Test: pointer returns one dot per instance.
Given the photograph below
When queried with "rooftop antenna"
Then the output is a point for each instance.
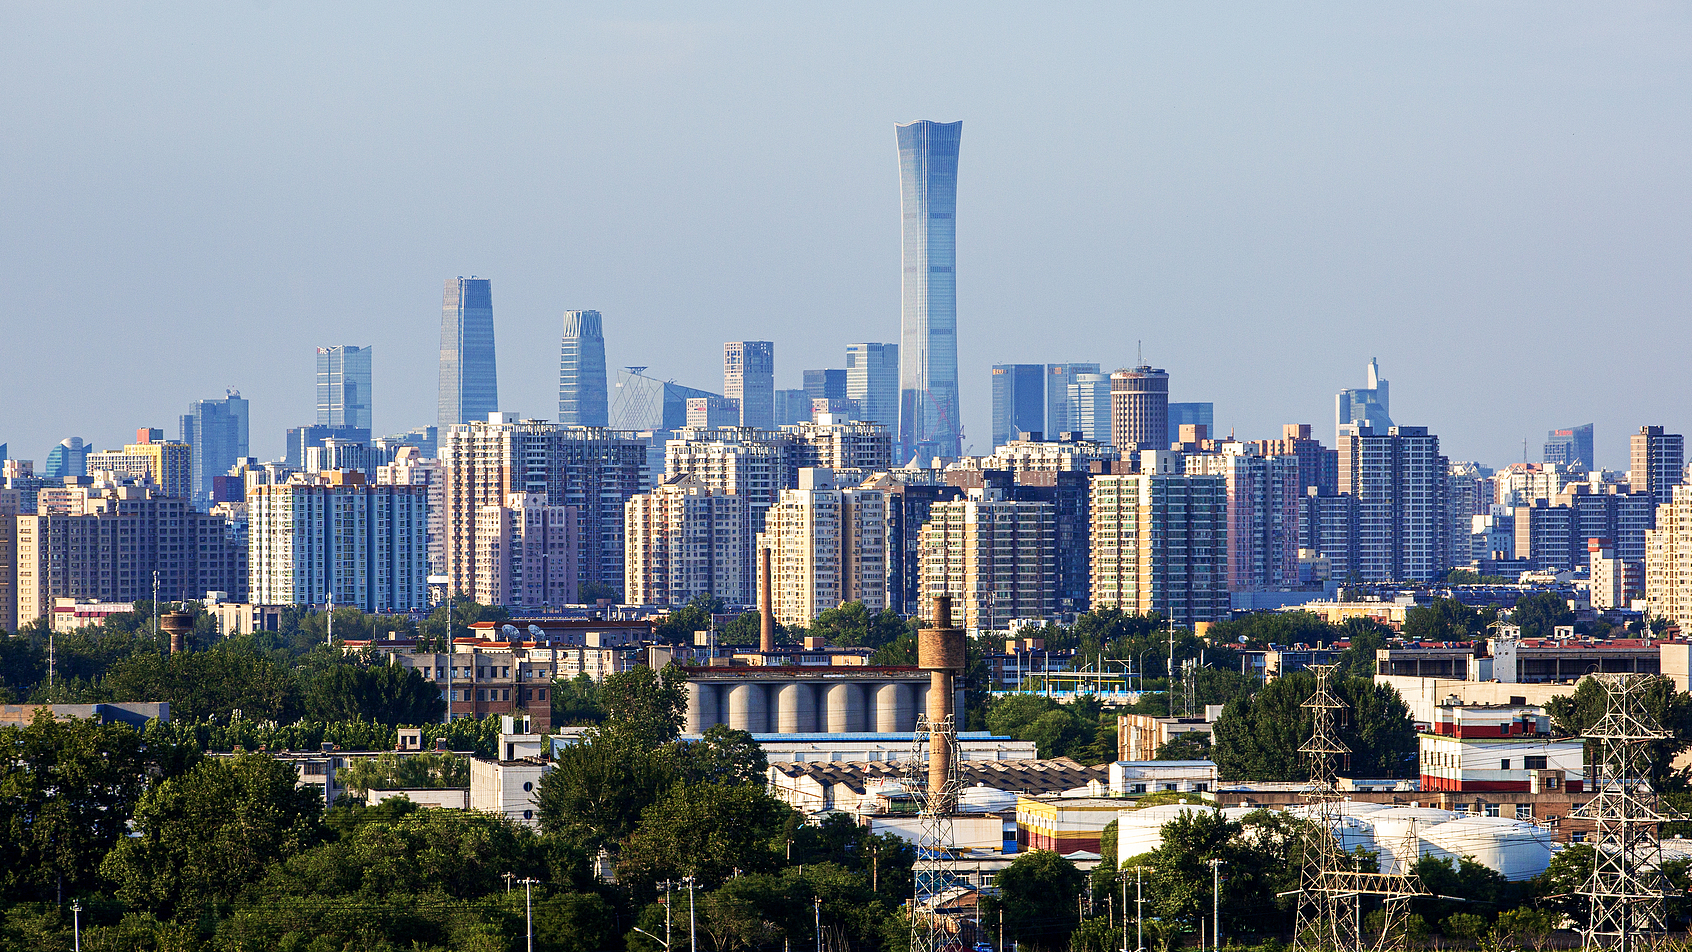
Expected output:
(1140, 352)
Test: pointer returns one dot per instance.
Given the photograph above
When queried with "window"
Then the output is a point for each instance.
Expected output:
(1524, 811)
(1137, 788)
(1533, 763)
(1491, 809)
(528, 814)
(481, 694)
(1171, 787)
(527, 786)
(1504, 764)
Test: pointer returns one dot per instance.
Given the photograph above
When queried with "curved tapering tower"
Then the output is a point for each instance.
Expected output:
(582, 394)
(928, 351)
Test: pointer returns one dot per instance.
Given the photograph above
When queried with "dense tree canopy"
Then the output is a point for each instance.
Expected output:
(1258, 736)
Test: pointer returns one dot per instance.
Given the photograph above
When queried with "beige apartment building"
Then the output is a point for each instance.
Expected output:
(996, 558)
(526, 553)
(828, 547)
(683, 539)
(166, 462)
(1668, 560)
(1160, 543)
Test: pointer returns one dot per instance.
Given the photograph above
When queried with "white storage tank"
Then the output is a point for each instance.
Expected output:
(984, 799)
(1393, 832)
(1514, 849)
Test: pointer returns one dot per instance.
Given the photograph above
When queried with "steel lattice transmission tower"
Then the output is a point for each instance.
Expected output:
(1331, 888)
(933, 776)
(1626, 886)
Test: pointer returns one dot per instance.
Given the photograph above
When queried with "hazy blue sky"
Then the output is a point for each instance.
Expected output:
(1492, 198)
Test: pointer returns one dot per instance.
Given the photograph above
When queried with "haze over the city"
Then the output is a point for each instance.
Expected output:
(1491, 199)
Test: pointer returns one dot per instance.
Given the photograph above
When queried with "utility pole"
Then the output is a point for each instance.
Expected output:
(1124, 881)
(529, 909)
(667, 885)
(1139, 909)
(76, 922)
(449, 658)
(1216, 902)
(818, 904)
(1169, 675)
(691, 940)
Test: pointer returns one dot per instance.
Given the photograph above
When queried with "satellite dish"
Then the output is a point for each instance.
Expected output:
(508, 631)
(537, 633)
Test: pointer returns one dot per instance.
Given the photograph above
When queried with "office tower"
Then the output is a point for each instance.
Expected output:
(1366, 406)
(216, 433)
(827, 548)
(792, 406)
(1318, 466)
(1019, 401)
(117, 538)
(1571, 447)
(1468, 493)
(1658, 462)
(1668, 559)
(412, 467)
(682, 540)
(1190, 414)
(583, 399)
(712, 412)
(647, 403)
(1262, 515)
(1087, 409)
(300, 440)
(749, 377)
(872, 379)
(593, 470)
(69, 458)
(1398, 479)
(753, 464)
(842, 446)
(526, 553)
(167, 464)
(349, 455)
(469, 388)
(1139, 409)
(825, 384)
(929, 422)
(1160, 544)
(1061, 410)
(343, 386)
(333, 533)
(838, 409)
(995, 557)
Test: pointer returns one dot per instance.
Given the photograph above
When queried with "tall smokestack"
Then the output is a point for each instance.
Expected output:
(766, 613)
(941, 652)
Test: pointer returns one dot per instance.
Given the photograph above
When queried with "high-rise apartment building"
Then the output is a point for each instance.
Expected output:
(1616, 582)
(713, 412)
(69, 458)
(8, 563)
(995, 557)
(1190, 414)
(343, 386)
(411, 467)
(1329, 528)
(1318, 466)
(1019, 401)
(526, 553)
(1668, 560)
(929, 410)
(753, 464)
(583, 397)
(301, 440)
(828, 547)
(872, 379)
(121, 535)
(469, 385)
(167, 463)
(1139, 409)
(910, 495)
(1571, 447)
(1160, 544)
(332, 536)
(1061, 411)
(1263, 514)
(844, 445)
(216, 433)
(749, 377)
(593, 470)
(1065, 488)
(1366, 406)
(1658, 462)
(1398, 480)
(682, 540)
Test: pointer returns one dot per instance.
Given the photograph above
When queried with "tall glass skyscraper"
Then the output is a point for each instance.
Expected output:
(216, 433)
(343, 386)
(469, 383)
(583, 393)
(1019, 401)
(872, 379)
(928, 366)
(749, 376)
(69, 458)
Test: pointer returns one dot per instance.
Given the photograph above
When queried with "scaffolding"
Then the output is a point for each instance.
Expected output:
(1331, 887)
(931, 928)
(1625, 890)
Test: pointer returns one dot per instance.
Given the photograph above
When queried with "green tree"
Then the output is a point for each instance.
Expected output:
(1538, 615)
(722, 756)
(200, 837)
(389, 771)
(365, 688)
(599, 787)
(232, 676)
(678, 626)
(1192, 745)
(1037, 895)
(1259, 737)
(575, 703)
(1445, 619)
(1575, 714)
(705, 830)
(66, 792)
(853, 626)
(645, 704)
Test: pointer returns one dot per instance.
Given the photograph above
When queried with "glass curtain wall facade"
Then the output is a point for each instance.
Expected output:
(928, 368)
(1019, 401)
(216, 432)
(583, 397)
(343, 386)
(872, 379)
(469, 383)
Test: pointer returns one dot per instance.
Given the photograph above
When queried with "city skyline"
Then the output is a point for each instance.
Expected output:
(1265, 231)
